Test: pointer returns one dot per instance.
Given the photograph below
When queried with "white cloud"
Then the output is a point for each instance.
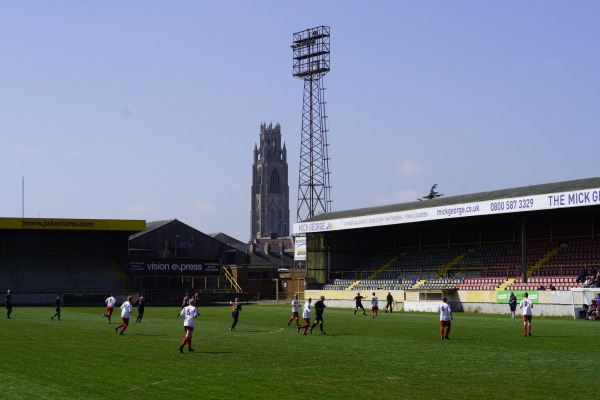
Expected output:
(145, 211)
(22, 150)
(408, 168)
(75, 154)
(202, 209)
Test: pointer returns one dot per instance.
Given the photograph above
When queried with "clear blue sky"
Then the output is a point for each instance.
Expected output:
(151, 109)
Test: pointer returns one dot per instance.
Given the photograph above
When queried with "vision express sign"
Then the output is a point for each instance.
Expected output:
(175, 266)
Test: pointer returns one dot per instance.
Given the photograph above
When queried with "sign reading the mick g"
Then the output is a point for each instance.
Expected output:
(175, 266)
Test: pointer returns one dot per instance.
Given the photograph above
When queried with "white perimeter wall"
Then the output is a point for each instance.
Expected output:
(551, 303)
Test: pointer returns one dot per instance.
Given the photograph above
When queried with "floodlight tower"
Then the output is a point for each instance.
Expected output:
(311, 62)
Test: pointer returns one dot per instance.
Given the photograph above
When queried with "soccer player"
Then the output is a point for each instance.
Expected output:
(319, 310)
(389, 302)
(295, 304)
(305, 316)
(374, 305)
(125, 310)
(526, 305)
(141, 303)
(185, 302)
(110, 305)
(8, 303)
(445, 317)
(236, 307)
(56, 308)
(196, 298)
(189, 313)
(358, 301)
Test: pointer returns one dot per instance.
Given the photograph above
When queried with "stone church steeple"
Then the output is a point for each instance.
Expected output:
(270, 213)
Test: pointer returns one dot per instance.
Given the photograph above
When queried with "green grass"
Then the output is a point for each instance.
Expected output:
(394, 356)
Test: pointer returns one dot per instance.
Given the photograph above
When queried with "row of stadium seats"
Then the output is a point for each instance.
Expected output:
(50, 273)
(559, 260)
(548, 279)
(479, 283)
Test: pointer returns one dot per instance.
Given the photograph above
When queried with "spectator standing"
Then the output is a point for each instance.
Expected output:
(512, 304)
(445, 318)
(389, 302)
(189, 313)
(527, 306)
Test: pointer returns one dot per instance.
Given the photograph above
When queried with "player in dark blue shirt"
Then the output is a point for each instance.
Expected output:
(56, 308)
(358, 300)
(236, 307)
(141, 303)
(319, 310)
(8, 303)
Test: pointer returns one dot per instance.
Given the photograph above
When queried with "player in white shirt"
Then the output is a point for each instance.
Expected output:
(374, 305)
(110, 305)
(526, 305)
(126, 308)
(189, 314)
(295, 304)
(445, 317)
(305, 316)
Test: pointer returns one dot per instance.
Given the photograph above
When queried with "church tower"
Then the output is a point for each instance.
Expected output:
(270, 213)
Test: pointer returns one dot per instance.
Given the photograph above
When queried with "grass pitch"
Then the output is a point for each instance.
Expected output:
(394, 356)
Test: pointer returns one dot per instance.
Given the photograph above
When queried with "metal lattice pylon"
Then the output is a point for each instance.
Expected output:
(311, 63)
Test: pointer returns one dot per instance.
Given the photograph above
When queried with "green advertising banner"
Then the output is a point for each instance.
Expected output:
(503, 296)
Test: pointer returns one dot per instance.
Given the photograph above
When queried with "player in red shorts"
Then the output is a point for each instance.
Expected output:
(527, 306)
(126, 308)
(374, 305)
(110, 305)
(445, 318)
(305, 316)
(189, 313)
(295, 304)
